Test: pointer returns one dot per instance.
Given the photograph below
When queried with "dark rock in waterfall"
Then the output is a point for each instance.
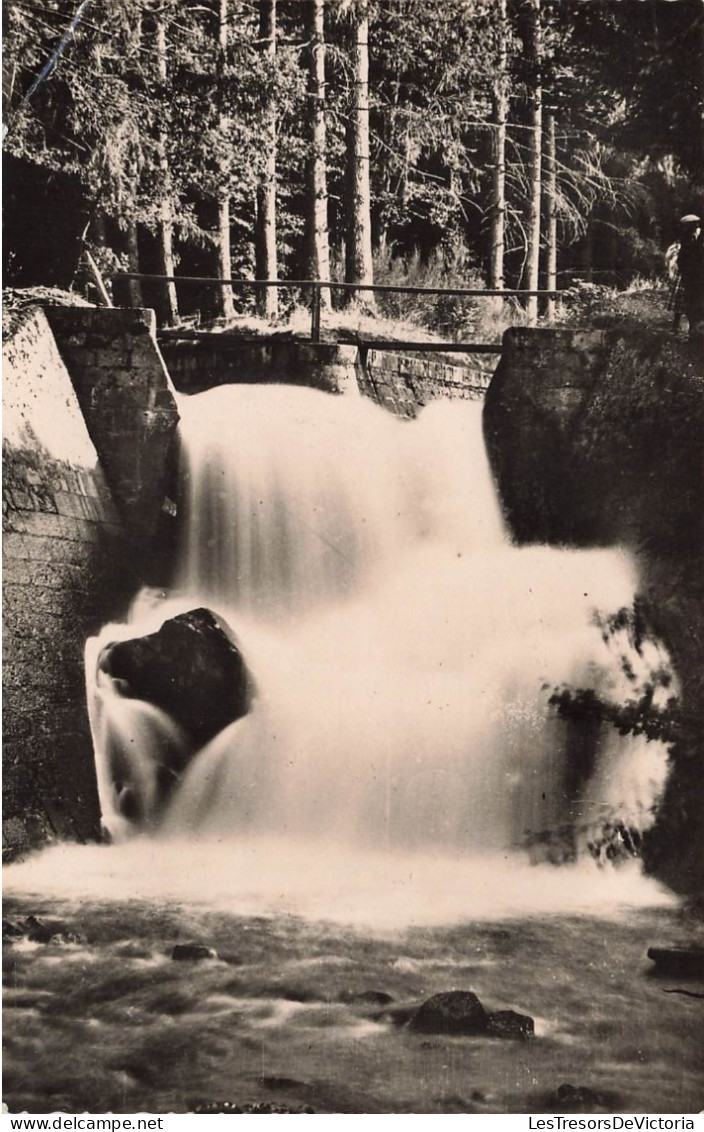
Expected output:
(510, 1024)
(191, 668)
(677, 960)
(451, 1012)
(193, 952)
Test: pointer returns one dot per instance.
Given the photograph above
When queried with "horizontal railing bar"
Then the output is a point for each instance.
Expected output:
(435, 347)
(404, 289)
(366, 344)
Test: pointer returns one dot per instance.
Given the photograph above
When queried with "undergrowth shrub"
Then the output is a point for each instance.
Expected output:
(454, 317)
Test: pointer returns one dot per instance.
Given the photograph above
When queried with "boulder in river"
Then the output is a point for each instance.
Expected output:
(37, 931)
(578, 1098)
(193, 952)
(191, 668)
(450, 1012)
(510, 1024)
(11, 931)
(685, 961)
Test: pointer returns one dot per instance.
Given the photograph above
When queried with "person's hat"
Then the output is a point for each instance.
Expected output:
(690, 218)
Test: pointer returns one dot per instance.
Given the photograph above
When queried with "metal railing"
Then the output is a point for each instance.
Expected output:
(122, 297)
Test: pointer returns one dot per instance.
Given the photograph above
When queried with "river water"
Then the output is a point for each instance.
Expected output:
(303, 1007)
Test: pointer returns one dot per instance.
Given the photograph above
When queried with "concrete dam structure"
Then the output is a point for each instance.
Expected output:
(87, 430)
(91, 486)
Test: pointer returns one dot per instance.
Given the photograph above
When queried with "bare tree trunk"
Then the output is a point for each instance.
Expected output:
(318, 234)
(531, 271)
(551, 199)
(499, 118)
(224, 304)
(359, 266)
(265, 242)
(165, 232)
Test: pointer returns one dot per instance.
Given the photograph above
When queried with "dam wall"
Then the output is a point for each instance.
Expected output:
(201, 361)
(75, 521)
(596, 437)
(401, 383)
(127, 401)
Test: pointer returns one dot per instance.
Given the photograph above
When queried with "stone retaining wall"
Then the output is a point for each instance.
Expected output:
(65, 572)
(198, 364)
(127, 401)
(403, 383)
(89, 418)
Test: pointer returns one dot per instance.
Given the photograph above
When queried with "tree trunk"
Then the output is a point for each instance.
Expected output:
(499, 117)
(318, 235)
(531, 271)
(265, 242)
(359, 266)
(551, 200)
(165, 228)
(224, 304)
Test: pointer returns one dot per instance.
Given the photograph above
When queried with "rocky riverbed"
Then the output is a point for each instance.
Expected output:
(275, 1011)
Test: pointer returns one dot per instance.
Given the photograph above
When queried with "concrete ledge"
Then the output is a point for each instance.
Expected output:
(403, 383)
(195, 366)
(594, 432)
(127, 401)
(66, 571)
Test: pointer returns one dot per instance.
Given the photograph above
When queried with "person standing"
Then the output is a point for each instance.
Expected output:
(690, 262)
(675, 298)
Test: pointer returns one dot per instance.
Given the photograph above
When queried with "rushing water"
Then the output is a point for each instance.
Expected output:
(403, 650)
(368, 827)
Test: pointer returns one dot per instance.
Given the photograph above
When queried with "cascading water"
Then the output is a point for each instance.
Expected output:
(397, 743)
(403, 650)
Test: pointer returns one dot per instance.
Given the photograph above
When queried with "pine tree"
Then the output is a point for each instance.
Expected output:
(224, 252)
(499, 121)
(265, 236)
(317, 218)
(165, 225)
(534, 60)
(360, 267)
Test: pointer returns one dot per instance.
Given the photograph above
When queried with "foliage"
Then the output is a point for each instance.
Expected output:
(653, 708)
(138, 126)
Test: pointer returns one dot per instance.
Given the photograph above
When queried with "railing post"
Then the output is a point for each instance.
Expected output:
(315, 313)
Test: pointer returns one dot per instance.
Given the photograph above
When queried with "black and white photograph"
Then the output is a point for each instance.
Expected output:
(353, 561)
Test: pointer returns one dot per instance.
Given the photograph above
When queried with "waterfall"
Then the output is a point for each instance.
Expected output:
(404, 651)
